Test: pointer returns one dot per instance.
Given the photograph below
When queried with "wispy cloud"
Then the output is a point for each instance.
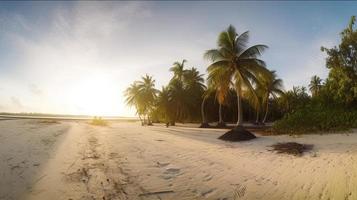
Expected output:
(35, 90)
(16, 102)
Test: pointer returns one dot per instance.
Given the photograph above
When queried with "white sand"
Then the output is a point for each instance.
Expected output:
(74, 160)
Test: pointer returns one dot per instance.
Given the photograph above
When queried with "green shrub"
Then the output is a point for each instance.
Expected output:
(316, 118)
(98, 121)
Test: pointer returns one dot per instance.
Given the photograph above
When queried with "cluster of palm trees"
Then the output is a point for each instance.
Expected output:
(174, 102)
(234, 65)
(142, 95)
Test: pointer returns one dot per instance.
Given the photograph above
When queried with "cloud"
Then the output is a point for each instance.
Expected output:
(35, 90)
(16, 102)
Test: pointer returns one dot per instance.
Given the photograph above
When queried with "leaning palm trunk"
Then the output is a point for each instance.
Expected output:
(204, 123)
(149, 122)
(257, 119)
(266, 111)
(144, 120)
(141, 120)
(221, 123)
(204, 120)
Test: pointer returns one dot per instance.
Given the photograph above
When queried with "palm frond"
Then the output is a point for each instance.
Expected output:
(253, 51)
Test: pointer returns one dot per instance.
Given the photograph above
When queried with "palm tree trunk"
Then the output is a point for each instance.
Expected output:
(149, 122)
(204, 123)
(141, 120)
(266, 111)
(240, 111)
(204, 120)
(220, 114)
(257, 119)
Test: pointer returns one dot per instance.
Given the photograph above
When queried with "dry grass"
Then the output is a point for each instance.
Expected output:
(98, 121)
(292, 148)
(48, 121)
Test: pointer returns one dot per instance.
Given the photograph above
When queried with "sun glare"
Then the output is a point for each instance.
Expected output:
(96, 95)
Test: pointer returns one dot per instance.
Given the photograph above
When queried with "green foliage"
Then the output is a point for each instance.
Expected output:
(341, 83)
(293, 99)
(316, 118)
(142, 95)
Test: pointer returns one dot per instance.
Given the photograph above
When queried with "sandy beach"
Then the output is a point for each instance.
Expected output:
(42, 159)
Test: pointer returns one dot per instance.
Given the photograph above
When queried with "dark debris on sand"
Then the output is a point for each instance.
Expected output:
(237, 134)
(292, 148)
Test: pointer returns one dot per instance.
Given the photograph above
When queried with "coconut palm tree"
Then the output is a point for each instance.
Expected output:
(207, 93)
(148, 92)
(142, 95)
(315, 85)
(239, 65)
(178, 99)
(220, 81)
(134, 99)
(270, 86)
(164, 104)
(178, 70)
(294, 98)
(194, 86)
(193, 80)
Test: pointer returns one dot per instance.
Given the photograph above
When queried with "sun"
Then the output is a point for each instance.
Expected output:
(95, 95)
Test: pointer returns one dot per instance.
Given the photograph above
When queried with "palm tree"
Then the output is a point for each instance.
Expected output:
(148, 91)
(179, 99)
(164, 104)
(193, 80)
(294, 98)
(221, 83)
(207, 93)
(194, 86)
(270, 86)
(239, 65)
(134, 99)
(315, 85)
(142, 95)
(178, 70)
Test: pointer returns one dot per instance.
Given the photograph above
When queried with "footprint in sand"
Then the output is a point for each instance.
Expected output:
(207, 192)
(162, 164)
(207, 177)
(113, 155)
(171, 172)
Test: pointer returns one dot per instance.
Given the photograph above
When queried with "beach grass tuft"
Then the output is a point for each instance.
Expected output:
(98, 121)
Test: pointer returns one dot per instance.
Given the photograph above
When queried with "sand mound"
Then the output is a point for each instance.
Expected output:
(237, 134)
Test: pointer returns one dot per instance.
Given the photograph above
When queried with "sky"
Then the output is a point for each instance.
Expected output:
(79, 57)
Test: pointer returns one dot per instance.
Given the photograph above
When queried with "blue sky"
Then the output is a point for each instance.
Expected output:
(78, 57)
